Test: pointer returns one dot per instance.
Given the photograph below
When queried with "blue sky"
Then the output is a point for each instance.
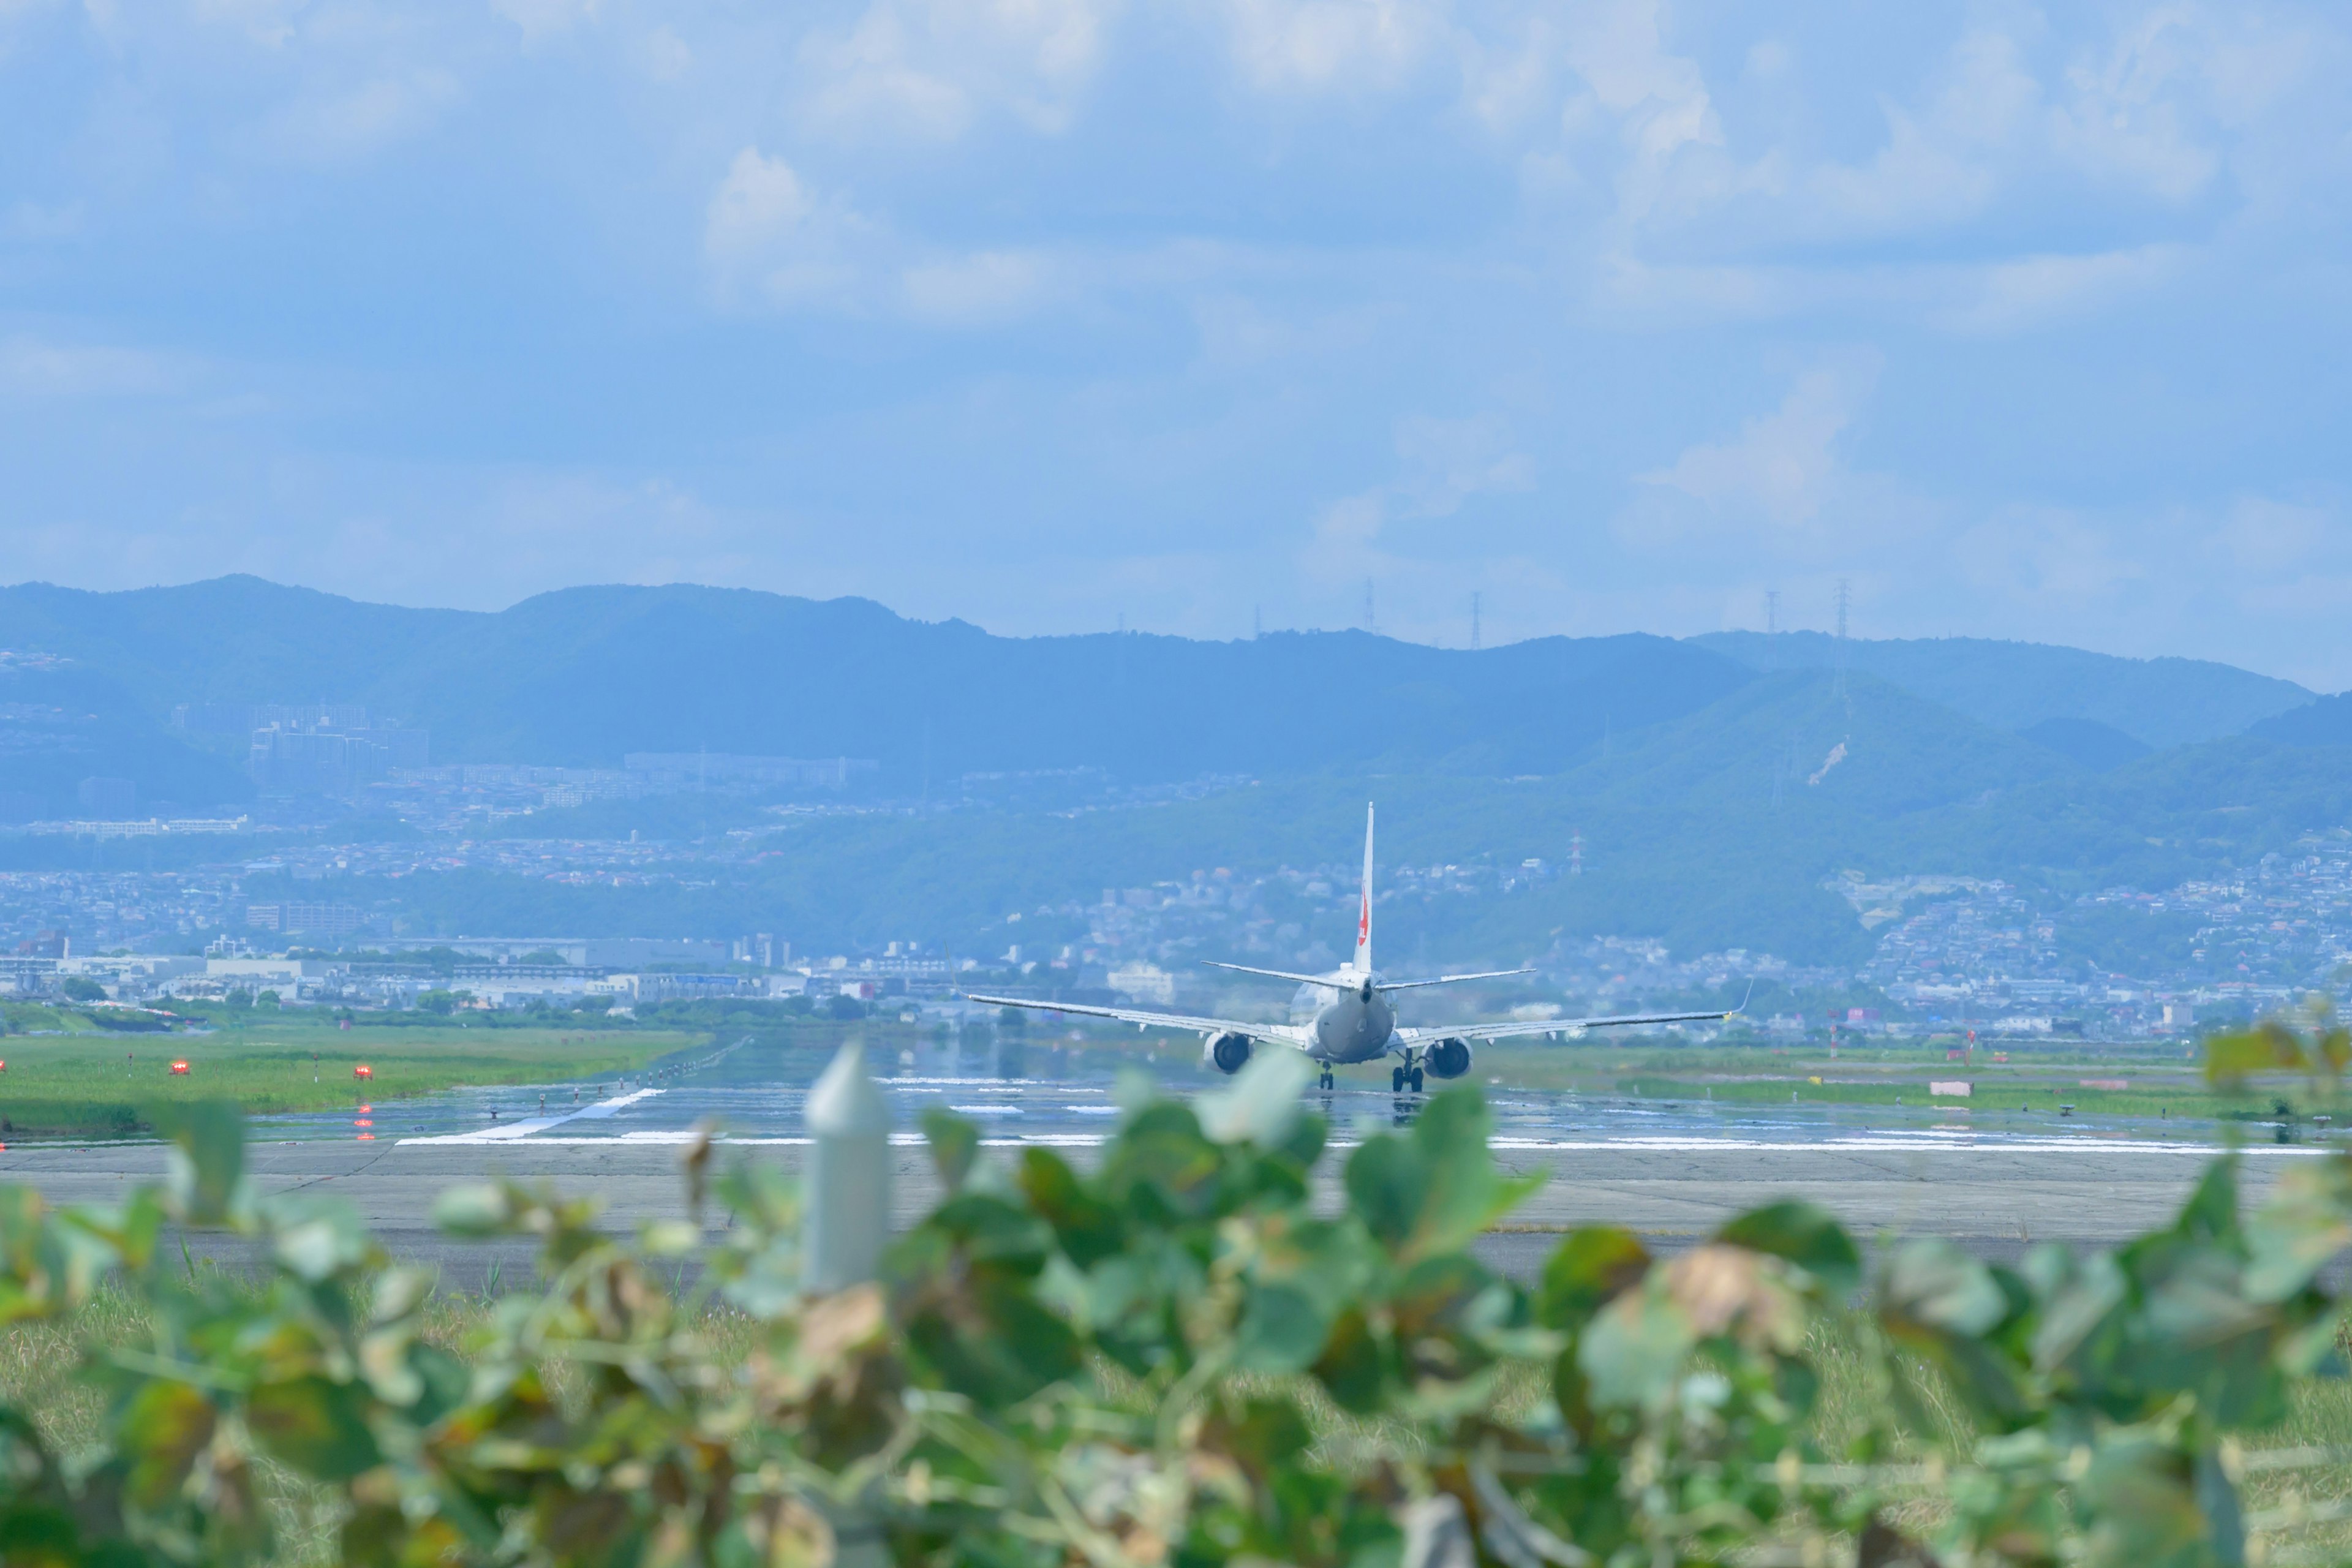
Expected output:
(2029, 322)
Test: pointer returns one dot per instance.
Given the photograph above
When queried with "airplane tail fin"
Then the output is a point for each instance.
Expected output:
(1364, 910)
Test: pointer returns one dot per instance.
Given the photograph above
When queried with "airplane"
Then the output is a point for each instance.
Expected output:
(1357, 1023)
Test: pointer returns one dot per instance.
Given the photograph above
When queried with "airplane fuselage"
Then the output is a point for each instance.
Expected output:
(1355, 1025)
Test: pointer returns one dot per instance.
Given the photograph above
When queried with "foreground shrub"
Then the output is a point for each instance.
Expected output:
(1126, 1366)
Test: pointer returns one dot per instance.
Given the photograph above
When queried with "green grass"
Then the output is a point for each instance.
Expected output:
(102, 1086)
(2160, 1081)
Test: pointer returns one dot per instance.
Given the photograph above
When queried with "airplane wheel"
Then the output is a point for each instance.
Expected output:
(1396, 1082)
(1327, 1081)
(1416, 1081)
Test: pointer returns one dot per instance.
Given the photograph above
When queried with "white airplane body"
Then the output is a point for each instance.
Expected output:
(1359, 1023)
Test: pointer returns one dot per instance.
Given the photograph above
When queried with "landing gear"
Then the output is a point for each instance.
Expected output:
(1327, 1082)
(1396, 1082)
(1416, 1081)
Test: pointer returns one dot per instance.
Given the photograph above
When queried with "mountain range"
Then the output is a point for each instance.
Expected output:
(1719, 780)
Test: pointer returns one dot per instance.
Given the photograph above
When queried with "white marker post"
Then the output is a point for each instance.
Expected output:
(844, 1221)
(847, 1194)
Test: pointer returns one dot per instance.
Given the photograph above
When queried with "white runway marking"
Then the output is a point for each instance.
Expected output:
(1889, 1144)
(507, 1132)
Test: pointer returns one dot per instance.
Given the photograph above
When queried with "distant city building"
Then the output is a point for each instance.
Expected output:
(114, 799)
(46, 945)
(23, 976)
(308, 918)
(243, 718)
(317, 758)
(1144, 983)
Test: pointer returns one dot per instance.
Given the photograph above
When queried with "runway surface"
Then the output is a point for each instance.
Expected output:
(1673, 1170)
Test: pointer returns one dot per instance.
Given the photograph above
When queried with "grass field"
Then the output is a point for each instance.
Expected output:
(105, 1085)
(2157, 1082)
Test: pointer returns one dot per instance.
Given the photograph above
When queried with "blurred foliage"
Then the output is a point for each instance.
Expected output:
(1115, 1366)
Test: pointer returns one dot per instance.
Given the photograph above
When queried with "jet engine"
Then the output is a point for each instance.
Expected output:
(1229, 1053)
(1450, 1059)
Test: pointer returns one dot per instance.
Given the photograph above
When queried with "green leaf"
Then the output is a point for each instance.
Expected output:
(1385, 1181)
(762, 1196)
(482, 1210)
(1433, 1192)
(955, 1143)
(1632, 1352)
(317, 1238)
(314, 1426)
(162, 1430)
(1352, 1366)
(206, 1164)
(2210, 1213)
(2143, 1507)
(1463, 1193)
(2305, 1221)
(1282, 1330)
(1808, 1236)
(1934, 1284)
(1261, 1105)
(2078, 1297)
(1089, 1229)
(1591, 1266)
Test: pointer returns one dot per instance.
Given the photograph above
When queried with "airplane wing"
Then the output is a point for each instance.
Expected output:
(1422, 1036)
(1450, 979)
(1322, 980)
(1288, 1034)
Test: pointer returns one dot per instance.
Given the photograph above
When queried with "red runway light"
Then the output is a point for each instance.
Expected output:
(179, 1069)
(364, 1070)
(367, 1109)
(362, 1121)
(367, 1137)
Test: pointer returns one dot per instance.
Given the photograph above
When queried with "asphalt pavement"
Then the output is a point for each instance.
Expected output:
(1993, 1200)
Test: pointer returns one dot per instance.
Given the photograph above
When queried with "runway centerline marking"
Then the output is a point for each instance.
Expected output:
(507, 1132)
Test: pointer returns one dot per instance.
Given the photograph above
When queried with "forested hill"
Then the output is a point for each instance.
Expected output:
(587, 675)
(584, 676)
(2158, 702)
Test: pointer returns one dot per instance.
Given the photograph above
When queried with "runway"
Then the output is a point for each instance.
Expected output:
(1673, 1170)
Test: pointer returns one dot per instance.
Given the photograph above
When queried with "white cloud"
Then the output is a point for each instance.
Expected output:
(929, 69)
(981, 290)
(1288, 44)
(766, 237)
(2030, 291)
(1442, 463)
(2126, 117)
(2046, 559)
(544, 18)
(1780, 473)
(664, 56)
(333, 123)
(33, 369)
